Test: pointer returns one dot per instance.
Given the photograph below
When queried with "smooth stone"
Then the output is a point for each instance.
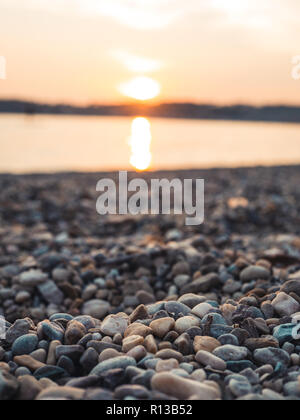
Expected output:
(150, 344)
(239, 389)
(65, 317)
(186, 322)
(51, 293)
(22, 371)
(75, 331)
(83, 382)
(138, 353)
(291, 286)
(292, 389)
(29, 388)
(177, 308)
(28, 362)
(202, 309)
(22, 297)
(137, 391)
(217, 331)
(25, 345)
(117, 363)
(74, 352)
(167, 354)
(139, 313)
(217, 319)
(114, 324)
(138, 329)
(87, 321)
(58, 393)
(285, 305)
(271, 356)
(237, 367)
(228, 339)
(8, 386)
(96, 308)
(203, 284)
(131, 342)
(89, 360)
(18, 329)
(32, 278)
(162, 326)
(191, 300)
(67, 364)
(52, 331)
(208, 344)
(182, 388)
(230, 353)
(260, 343)
(153, 308)
(167, 365)
(50, 372)
(207, 359)
(254, 272)
(51, 359)
(40, 355)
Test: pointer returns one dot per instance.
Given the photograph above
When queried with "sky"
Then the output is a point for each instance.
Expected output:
(105, 51)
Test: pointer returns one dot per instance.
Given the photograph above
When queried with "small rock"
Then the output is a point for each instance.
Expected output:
(186, 322)
(254, 272)
(285, 305)
(207, 359)
(96, 308)
(162, 326)
(114, 324)
(231, 353)
(117, 363)
(208, 344)
(271, 356)
(25, 345)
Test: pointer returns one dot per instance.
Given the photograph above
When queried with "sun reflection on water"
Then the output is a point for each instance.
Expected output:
(140, 143)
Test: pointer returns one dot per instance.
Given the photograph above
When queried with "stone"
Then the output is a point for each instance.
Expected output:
(284, 333)
(32, 278)
(89, 360)
(51, 359)
(25, 345)
(50, 372)
(121, 362)
(114, 324)
(136, 391)
(228, 339)
(19, 328)
(167, 354)
(167, 365)
(58, 393)
(191, 300)
(74, 332)
(271, 356)
(29, 388)
(138, 329)
(22, 297)
(261, 343)
(162, 326)
(182, 388)
(203, 284)
(186, 322)
(28, 362)
(150, 344)
(202, 309)
(96, 308)
(138, 353)
(214, 319)
(209, 360)
(8, 386)
(40, 355)
(291, 286)
(139, 313)
(175, 309)
(285, 305)
(52, 331)
(254, 272)
(231, 353)
(208, 344)
(74, 352)
(131, 342)
(239, 388)
(51, 293)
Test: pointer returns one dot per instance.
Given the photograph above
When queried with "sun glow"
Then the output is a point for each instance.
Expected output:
(141, 88)
(140, 143)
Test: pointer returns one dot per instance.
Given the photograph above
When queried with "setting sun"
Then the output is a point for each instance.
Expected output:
(141, 88)
(140, 143)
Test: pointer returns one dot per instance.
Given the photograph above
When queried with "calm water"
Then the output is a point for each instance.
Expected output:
(63, 143)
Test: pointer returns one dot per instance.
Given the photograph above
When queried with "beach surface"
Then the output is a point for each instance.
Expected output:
(144, 307)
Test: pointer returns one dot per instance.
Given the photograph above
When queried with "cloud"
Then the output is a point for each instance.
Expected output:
(136, 63)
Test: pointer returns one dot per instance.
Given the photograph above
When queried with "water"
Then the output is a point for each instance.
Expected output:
(67, 143)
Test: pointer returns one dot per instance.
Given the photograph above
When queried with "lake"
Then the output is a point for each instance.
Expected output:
(76, 143)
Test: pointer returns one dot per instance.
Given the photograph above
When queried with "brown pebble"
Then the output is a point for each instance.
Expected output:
(208, 344)
(131, 342)
(51, 359)
(170, 354)
(150, 344)
(162, 326)
(108, 354)
(29, 362)
(29, 388)
(167, 365)
(139, 313)
(138, 329)
(138, 353)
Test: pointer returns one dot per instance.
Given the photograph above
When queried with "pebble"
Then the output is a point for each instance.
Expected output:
(208, 344)
(271, 356)
(202, 309)
(114, 324)
(285, 305)
(183, 388)
(231, 353)
(167, 365)
(32, 278)
(121, 362)
(51, 293)
(186, 322)
(209, 360)
(25, 345)
(254, 272)
(96, 308)
(162, 326)
(8, 386)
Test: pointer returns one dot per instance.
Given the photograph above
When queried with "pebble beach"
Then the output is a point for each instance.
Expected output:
(144, 307)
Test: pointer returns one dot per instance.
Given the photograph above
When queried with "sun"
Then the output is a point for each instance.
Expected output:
(140, 144)
(141, 88)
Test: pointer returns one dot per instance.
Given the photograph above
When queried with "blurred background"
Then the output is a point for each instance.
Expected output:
(148, 84)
